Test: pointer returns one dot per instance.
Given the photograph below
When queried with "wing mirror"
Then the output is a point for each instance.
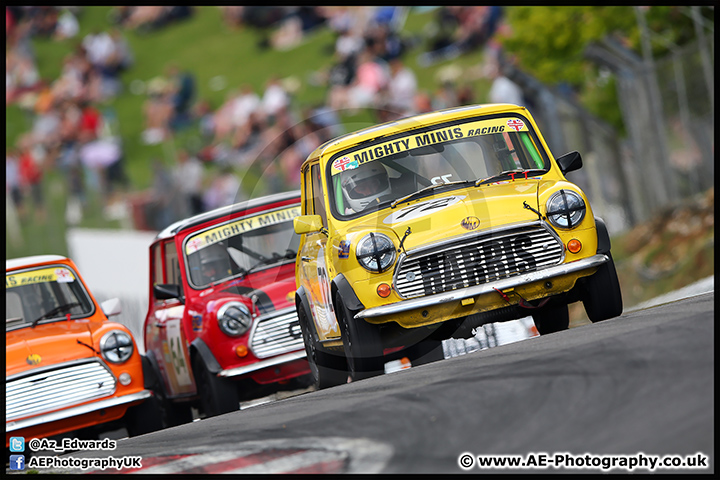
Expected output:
(308, 224)
(111, 307)
(569, 162)
(167, 291)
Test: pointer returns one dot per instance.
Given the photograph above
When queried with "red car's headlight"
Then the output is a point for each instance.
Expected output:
(234, 319)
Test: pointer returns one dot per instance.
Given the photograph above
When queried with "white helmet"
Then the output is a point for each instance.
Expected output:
(364, 184)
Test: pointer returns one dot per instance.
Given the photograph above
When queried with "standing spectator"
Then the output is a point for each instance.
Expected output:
(223, 190)
(275, 98)
(189, 180)
(158, 110)
(31, 177)
(90, 121)
(371, 77)
(164, 197)
(503, 90)
(182, 95)
(13, 187)
(402, 88)
(246, 103)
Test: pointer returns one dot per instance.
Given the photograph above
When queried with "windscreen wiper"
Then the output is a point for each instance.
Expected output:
(55, 311)
(427, 189)
(506, 173)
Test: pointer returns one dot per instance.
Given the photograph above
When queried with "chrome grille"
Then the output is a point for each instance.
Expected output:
(277, 333)
(477, 260)
(47, 390)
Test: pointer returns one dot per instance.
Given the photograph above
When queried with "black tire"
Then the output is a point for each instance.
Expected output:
(603, 297)
(362, 343)
(171, 413)
(144, 418)
(217, 395)
(326, 369)
(174, 414)
(551, 319)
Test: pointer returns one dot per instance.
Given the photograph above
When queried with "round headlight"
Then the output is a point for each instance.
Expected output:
(565, 209)
(234, 318)
(376, 252)
(116, 346)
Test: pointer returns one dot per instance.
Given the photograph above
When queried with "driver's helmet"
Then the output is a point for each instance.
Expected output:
(364, 184)
(214, 262)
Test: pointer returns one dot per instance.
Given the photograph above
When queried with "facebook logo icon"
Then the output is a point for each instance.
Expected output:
(17, 462)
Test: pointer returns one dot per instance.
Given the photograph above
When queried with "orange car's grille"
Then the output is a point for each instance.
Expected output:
(477, 260)
(47, 390)
(277, 334)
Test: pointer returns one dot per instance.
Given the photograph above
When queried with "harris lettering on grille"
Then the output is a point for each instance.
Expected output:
(476, 265)
(477, 260)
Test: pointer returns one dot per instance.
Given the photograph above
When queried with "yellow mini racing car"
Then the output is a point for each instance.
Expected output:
(430, 226)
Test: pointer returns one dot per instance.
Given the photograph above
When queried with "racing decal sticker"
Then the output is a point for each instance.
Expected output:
(516, 124)
(33, 359)
(178, 359)
(217, 234)
(42, 275)
(63, 275)
(470, 223)
(422, 209)
(344, 251)
(432, 137)
(197, 323)
(345, 163)
(323, 309)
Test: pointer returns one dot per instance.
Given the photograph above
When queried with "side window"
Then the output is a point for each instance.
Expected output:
(307, 205)
(172, 265)
(318, 200)
(156, 271)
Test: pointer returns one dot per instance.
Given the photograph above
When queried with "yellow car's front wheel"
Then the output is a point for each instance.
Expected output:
(327, 369)
(362, 343)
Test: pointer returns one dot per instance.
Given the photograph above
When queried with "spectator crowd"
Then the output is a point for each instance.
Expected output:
(74, 127)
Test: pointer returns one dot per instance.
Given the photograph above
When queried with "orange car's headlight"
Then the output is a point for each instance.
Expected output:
(116, 346)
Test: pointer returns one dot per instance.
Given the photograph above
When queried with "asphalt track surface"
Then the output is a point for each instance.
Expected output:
(640, 383)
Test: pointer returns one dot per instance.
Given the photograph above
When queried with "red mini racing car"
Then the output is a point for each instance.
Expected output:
(221, 325)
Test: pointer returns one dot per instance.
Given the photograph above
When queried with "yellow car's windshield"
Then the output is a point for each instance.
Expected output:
(380, 174)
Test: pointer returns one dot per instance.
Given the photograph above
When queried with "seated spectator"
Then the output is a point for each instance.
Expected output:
(232, 15)
(143, 17)
(67, 25)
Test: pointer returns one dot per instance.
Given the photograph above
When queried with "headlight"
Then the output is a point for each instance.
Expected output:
(565, 209)
(234, 319)
(376, 252)
(116, 346)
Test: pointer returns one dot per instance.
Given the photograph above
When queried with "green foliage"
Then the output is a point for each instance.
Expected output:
(549, 42)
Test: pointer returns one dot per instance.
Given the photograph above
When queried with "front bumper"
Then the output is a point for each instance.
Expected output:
(14, 425)
(477, 290)
(270, 362)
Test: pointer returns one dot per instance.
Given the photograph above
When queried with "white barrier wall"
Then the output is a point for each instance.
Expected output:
(114, 263)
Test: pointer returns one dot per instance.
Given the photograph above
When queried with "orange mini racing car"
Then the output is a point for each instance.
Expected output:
(68, 369)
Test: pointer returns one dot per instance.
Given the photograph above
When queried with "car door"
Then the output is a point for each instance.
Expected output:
(171, 346)
(314, 275)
